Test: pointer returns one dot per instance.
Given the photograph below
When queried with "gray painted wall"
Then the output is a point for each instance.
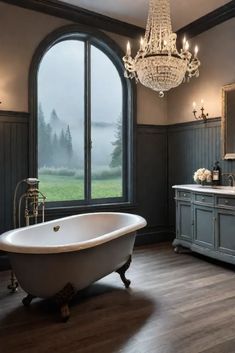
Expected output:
(216, 53)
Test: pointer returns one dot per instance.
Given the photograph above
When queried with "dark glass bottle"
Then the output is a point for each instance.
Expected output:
(216, 174)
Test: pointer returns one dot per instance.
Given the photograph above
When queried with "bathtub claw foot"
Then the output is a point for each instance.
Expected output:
(122, 272)
(62, 299)
(65, 312)
(13, 286)
(27, 300)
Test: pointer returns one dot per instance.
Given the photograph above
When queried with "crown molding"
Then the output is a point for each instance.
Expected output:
(77, 14)
(212, 19)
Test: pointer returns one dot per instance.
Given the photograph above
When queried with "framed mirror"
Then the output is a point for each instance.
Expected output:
(228, 122)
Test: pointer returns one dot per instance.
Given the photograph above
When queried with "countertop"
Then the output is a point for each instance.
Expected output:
(222, 190)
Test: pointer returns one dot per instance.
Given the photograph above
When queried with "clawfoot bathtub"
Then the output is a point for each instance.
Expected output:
(56, 259)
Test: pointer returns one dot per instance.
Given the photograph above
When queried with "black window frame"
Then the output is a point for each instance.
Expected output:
(100, 40)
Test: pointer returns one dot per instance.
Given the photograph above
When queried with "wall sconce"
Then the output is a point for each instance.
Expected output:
(203, 116)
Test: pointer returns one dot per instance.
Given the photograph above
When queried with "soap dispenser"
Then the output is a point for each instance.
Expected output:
(216, 174)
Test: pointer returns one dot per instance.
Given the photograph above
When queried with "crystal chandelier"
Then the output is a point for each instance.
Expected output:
(158, 64)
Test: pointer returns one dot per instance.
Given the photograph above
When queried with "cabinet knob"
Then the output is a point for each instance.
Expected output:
(184, 195)
(226, 202)
(203, 198)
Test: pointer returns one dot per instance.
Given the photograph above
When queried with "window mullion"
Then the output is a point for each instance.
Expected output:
(87, 122)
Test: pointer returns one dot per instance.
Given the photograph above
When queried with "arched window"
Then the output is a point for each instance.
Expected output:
(82, 119)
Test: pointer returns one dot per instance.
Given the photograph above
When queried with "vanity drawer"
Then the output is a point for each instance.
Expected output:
(226, 201)
(204, 198)
(186, 195)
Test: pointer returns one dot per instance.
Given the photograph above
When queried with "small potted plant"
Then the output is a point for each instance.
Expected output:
(203, 176)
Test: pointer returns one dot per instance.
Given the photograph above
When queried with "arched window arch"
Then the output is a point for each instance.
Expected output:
(82, 119)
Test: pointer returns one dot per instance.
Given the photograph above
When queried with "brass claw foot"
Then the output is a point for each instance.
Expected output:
(27, 300)
(13, 286)
(62, 299)
(65, 313)
(121, 271)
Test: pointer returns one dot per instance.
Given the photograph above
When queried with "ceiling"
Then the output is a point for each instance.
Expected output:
(183, 12)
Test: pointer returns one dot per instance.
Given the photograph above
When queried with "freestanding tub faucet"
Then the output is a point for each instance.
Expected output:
(33, 198)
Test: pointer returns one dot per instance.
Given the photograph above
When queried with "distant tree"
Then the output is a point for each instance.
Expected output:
(62, 141)
(53, 150)
(44, 140)
(65, 148)
(54, 117)
(68, 143)
(116, 155)
(55, 142)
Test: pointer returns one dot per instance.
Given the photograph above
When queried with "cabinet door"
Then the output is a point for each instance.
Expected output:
(204, 226)
(184, 220)
(225, 231)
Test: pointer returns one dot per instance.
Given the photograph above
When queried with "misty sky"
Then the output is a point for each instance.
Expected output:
(61, 87)
(61, 83)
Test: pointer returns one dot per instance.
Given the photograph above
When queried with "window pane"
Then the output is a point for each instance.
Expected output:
(106, 127)
(61, 122)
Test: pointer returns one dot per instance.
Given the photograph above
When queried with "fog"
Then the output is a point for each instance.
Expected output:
(61, 88)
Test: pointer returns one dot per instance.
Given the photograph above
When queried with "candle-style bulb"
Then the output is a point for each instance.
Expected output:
(202, 102)
(184, 41)
(194, 105)
(186, 45)
(195, 51)
(128, 49)
(141, 43)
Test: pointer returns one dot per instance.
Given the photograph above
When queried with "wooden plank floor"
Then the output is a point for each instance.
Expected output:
(178, 303)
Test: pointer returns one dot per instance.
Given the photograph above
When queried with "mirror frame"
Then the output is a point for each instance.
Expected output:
(225, 154)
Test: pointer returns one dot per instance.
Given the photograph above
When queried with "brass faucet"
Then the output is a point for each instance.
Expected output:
(231, 178)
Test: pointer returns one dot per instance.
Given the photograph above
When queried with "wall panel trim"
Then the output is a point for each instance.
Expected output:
(195, 124)
(7, 116)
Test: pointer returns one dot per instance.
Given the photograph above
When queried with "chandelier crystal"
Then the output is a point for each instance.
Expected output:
(158, 64)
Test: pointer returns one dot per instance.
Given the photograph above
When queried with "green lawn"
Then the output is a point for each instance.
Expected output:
(67, 188)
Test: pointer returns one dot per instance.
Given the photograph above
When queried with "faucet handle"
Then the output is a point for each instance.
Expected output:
(231, 179)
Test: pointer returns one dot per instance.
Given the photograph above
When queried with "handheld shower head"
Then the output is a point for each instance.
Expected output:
(32, 181)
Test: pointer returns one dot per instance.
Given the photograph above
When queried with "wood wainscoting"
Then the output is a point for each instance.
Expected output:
(14, 161)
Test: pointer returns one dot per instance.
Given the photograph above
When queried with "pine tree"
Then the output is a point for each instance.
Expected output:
(44, 140)
(116, 155)
(55, 142)
(69, 145)
(54, 117)
(62, 141)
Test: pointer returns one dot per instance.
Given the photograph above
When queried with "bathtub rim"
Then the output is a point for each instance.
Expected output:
(5, 245)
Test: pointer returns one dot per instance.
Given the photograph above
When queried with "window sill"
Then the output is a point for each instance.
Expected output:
(63, 211)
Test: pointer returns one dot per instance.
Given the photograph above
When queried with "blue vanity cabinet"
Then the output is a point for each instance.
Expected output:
(225, 231)
(184, 220)
(184, 216)
(205, 221)
(204, 230)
